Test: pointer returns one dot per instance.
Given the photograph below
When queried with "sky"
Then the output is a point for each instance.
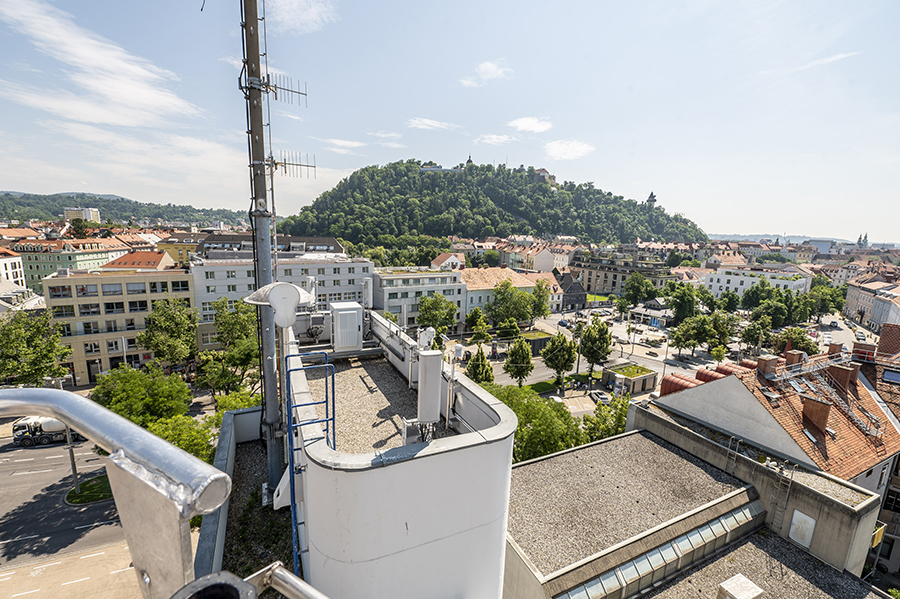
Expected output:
(769, 117)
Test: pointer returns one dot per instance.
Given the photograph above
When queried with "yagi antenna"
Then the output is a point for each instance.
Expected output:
(293, 164)
(286, 90)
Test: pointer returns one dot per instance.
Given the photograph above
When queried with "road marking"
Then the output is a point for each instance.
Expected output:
(54, 457)
(19, 539)
(74, 581)
(122, 570)
(45, 565)
(24, 460)
(86, 453)
(91, 555)
(25, 593)
(31, 472)
(95, 524)
(5, 579)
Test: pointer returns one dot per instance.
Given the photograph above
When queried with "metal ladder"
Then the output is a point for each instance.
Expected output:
(734, 447)
(780, 496)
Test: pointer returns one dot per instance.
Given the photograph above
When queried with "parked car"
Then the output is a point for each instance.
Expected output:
(564, 323)
(835, 324)
(600, 397)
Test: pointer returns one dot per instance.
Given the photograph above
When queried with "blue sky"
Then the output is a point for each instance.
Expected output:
(758, 117)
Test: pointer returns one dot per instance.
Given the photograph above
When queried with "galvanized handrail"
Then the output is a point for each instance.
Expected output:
(157, 487)
(207, 487)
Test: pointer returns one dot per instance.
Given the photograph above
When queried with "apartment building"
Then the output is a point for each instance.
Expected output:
(603, 274)
(41, 257)
(11, 267)
(861, 294)
(480, 283)
(90, 214)
(399, 290)
(230, 274)
(180, 246)
(102, 312)
(729, 278)
(282, 243)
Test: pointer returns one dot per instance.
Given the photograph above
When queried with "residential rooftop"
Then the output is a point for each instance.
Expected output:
(572, 505)
(371, 398)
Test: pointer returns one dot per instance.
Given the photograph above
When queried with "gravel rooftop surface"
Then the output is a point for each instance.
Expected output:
(568, 507)
(823, 485)
(256, 536)
(771, 563)
(371, 397)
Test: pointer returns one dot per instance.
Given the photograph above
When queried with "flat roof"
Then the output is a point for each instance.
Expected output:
(371, 397)
(569, 506)
(773, 564)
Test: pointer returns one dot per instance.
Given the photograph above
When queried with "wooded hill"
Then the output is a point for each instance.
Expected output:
(25, 206)
(480, 201)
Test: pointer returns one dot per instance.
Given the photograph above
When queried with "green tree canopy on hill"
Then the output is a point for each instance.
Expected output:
(481, 201)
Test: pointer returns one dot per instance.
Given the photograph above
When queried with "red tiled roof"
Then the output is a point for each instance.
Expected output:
(851, 452)
(138, 260)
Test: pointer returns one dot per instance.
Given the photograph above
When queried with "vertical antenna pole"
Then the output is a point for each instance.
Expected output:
(262, 222)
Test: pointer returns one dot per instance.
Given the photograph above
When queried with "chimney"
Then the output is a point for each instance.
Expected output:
(835, 348)
(854, 376)
(841, 374)
(816, 411)
(766, 364)
(794, 356)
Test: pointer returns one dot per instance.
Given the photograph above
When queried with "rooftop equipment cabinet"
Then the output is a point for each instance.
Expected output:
(346, 326)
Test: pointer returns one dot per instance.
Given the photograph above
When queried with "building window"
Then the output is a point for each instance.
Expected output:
(63, 311)
(289, 272)
(137, 306)
(883, 478)
(336, 271)
(113, 346)
(88, 309)
(210, 289)
(404, 295)
(232, 289)
(249, 274)
(66, 329)
(249, 287)
(129, 324)
(321, 271)
(86, 290)
(159, 286)
(114, 307)
(337, 283)
(207, 338)
(131, 344)
(111, 326)
(112, 288)
(90, 328)
(210, 274)
(180, 286)
(304, 271)
(59, 292)
(351, 281)
(418, 294)
(92, 348)
(135, 288)
(230, 274)
(351, 269)
(392, 296)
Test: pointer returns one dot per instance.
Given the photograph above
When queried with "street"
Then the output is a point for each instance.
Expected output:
(35, 522)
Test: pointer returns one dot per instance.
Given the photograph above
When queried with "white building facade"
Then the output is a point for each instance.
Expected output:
(741, 279)
(398, 291)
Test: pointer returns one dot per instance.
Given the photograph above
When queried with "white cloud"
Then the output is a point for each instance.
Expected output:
(343, 143)
(428, 124)
(288, 115)
(567, 149)
(300, 16)
(531, 123)
(113, 86)
(487, 71)
(391, 144)
(494, 70)
(822, 61)
(494, 140)
(385, 134)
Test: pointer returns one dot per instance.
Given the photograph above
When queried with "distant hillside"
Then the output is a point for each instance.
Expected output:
(481, 201)
(798, 239)
(24, 206)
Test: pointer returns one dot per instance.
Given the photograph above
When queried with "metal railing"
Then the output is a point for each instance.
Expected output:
(328, 421)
